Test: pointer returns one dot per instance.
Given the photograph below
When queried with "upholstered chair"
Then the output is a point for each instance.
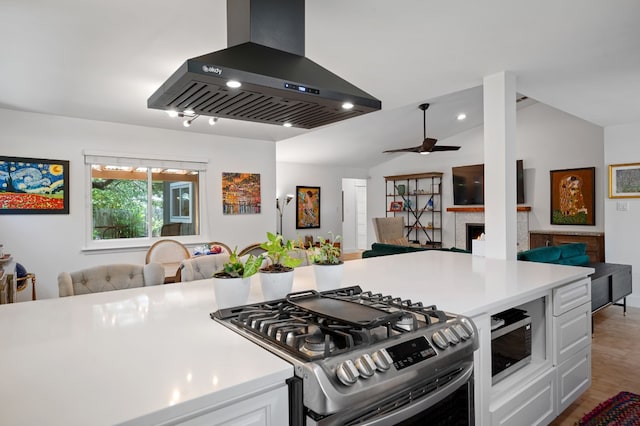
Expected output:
(390, 230)
(201, 267)
(109, 277)
(169, 253)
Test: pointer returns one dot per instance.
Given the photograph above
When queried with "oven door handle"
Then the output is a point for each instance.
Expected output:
(424, 403)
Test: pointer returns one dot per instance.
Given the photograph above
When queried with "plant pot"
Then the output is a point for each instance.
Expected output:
(276, 285)
(231, 292)
(401, 189)
(328, 277)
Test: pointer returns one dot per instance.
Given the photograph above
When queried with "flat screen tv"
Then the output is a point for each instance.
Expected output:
(468, 184)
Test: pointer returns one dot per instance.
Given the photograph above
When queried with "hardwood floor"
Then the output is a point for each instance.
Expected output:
(615, 364)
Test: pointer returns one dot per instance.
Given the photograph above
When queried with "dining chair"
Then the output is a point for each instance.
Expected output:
(169, 253)
(170, 229)
(253, 249)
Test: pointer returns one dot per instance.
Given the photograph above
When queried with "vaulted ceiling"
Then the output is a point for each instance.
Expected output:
(101, 60)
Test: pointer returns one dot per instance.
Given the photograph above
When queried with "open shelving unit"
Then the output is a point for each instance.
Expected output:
(417, 197)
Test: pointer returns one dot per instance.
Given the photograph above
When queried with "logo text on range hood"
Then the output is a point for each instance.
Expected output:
(278, 85)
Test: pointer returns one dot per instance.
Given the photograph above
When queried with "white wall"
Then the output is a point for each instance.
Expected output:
(329, 179)
(622, 229)
(547, 139)
(49, 244)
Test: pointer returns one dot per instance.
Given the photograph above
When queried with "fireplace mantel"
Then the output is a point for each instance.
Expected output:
(480, 209)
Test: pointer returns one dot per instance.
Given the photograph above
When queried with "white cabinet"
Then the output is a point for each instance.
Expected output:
(560, 368)
(572, 340)
(530, 405)
(574, 377)
(264, 408)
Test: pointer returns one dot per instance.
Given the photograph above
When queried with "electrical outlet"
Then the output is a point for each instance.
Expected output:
(622, 206)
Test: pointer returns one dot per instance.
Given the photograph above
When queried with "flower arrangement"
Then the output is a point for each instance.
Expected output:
(326, 252)
(236, 268)
(277, 250)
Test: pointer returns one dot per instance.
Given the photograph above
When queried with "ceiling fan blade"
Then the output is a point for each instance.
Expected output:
(428, 144)
(412, 149)
(445, 148)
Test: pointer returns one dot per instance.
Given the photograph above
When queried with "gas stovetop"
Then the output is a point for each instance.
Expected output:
(312, 326)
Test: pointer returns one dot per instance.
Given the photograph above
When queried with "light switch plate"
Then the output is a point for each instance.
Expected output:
(622, 206)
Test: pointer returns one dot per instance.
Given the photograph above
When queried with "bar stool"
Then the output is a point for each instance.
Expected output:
(23, 282)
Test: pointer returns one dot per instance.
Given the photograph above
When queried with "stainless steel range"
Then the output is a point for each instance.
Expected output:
(366, 359)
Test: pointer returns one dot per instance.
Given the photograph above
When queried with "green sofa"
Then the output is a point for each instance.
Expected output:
(382, 249)
(564, 254)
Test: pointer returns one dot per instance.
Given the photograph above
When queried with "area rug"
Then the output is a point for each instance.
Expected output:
(621, 410)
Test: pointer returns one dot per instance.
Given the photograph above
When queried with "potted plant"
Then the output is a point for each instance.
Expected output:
(231, 285)
(277, 277)
(327, 265)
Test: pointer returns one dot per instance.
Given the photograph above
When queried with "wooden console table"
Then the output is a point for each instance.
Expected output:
(593, 240)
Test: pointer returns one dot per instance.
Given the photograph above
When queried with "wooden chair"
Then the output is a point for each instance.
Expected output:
(169, 253)
(170, 229)
(253, 249)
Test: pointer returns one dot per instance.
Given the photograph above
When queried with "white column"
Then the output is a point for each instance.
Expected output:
(500, 165)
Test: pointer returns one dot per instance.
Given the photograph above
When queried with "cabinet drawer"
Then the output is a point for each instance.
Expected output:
(571, 333)
(621, 284)
(571, 295)
(534, 404)
(574, 377)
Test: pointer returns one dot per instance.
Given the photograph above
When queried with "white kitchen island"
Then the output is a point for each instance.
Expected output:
(153, 355)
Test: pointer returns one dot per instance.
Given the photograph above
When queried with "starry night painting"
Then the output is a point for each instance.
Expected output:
(33, 185)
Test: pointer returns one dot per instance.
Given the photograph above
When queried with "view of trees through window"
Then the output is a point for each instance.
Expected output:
(121, 197)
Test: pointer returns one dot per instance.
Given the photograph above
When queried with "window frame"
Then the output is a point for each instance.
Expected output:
(149, 161)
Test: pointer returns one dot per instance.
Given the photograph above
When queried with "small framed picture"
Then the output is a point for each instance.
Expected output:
(624, 180)
(395, 206)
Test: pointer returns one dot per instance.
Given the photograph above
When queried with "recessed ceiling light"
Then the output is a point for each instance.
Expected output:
(347, 105)
(462, 116)
(213, 121)
(287, 124)
(425, 153)
(186, 123)
(233, 84)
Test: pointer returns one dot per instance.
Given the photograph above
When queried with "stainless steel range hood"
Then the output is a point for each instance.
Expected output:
(278, 83)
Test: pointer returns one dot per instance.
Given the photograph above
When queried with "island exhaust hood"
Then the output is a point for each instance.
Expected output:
(278, 83)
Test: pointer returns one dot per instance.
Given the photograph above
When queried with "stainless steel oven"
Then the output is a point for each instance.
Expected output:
(366, 359)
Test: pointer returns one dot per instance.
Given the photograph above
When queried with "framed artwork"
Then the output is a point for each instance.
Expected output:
(624, 180)
(395, 206)
(240, 193)
(34, 186)
(307, 207)
(573, 196)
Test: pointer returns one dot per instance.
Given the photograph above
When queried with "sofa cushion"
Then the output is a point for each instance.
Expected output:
(581, 260)
(548, 254)
(572, 249)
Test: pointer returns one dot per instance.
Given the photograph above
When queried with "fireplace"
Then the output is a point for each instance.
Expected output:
(474, 230)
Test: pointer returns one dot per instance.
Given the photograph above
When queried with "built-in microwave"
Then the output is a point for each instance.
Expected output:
(510, 342)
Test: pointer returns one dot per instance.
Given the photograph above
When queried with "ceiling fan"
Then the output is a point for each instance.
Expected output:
(428, 144)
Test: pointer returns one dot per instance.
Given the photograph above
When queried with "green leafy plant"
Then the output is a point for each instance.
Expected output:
(326, 252)
(236, 268)
(277, 250)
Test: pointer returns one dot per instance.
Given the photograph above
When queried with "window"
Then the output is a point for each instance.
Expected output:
(142, 198)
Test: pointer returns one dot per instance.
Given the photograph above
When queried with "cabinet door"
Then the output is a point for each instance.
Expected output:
(267, 409)
(539, 240)
(572, 295)
(574, 377)
(621, 284)
(571, 333)
(600, 292)
(533, 404)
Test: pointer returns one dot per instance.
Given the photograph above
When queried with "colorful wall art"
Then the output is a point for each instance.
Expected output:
(33, 186)
(240, 193)
(307, 207)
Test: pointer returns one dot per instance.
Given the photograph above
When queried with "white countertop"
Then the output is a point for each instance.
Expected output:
(110, 357)
(106, 358)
